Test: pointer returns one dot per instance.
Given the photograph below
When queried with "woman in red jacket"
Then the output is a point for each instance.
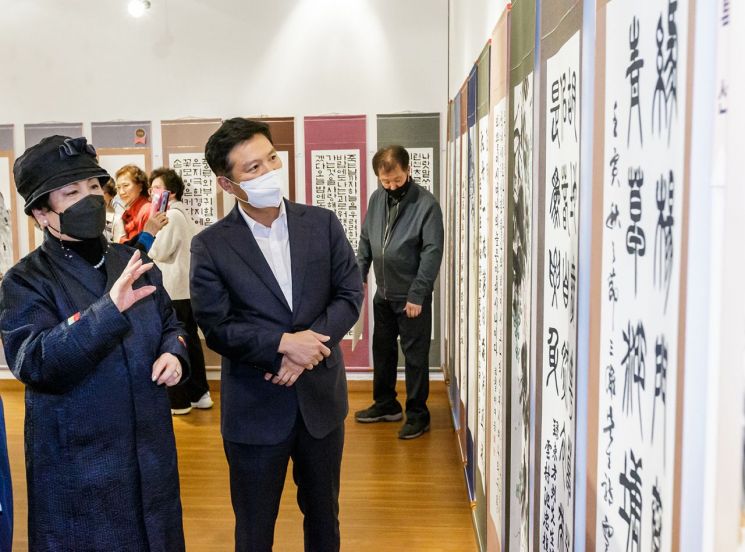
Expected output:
(131, 185)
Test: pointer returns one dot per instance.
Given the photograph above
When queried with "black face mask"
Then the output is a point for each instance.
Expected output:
(84, 219)
(399, 192)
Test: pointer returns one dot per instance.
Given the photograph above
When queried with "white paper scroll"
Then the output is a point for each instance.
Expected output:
(335, 185)
(556, 452)
(497, 298)
(472, 308)
(6, 206)
(421, 163)
(482, 328)
(463, 271)
(645, 98)
(457, 303)
(200, 186)
(521, 200)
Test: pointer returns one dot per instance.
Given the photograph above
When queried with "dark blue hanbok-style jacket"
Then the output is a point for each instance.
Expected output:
(6, 490)
(100, 451)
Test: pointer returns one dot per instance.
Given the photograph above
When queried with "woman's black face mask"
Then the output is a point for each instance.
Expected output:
(84, 219)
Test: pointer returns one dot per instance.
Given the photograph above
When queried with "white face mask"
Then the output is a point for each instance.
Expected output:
(265, 190)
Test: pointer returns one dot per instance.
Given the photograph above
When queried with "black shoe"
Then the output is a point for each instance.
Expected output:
(412, 430)
(377, 413)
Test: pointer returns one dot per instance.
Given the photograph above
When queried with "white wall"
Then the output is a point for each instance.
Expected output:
(83, 60)
(88, 60)
(470, 26)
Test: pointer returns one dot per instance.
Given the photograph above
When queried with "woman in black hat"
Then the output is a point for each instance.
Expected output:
(90, 330)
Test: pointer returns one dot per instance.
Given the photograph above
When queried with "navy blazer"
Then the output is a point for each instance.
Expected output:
(240, 308)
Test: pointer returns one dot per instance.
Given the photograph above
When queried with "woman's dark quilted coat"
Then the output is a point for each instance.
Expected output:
(100, 451)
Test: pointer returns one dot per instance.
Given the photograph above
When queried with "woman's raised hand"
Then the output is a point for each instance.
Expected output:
(122, 293)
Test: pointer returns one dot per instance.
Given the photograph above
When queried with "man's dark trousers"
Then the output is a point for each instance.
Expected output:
(416, 334)
(259, 471)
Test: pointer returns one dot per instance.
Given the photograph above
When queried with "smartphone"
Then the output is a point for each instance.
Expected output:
(164, 195)
(159, 203)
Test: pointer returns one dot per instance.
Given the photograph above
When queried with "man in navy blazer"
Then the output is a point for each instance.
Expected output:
(275, 287)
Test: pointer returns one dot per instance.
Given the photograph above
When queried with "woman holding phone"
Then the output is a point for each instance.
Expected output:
(170, 251)
(89, 330)
(131, 185)
(139, 224)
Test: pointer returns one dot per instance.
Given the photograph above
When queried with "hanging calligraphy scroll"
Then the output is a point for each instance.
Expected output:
(336, 179)
(447, 254)
(183, 150)
(121, 143)
(557, 266)
(461, 288)
(33, 134)
(471, 276)
(453, 243)
(481, 328)
(496, 309)
(522, 35)
(636, 356)
(419, 133)
(8, 210)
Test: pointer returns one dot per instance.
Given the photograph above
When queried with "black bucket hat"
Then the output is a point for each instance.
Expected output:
(53, 163)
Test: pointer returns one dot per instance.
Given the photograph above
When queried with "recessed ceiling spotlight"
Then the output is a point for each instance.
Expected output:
(137, 8)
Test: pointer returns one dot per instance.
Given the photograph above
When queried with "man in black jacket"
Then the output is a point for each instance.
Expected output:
(402, 237)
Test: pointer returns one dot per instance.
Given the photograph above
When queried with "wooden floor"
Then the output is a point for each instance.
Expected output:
(395, 495)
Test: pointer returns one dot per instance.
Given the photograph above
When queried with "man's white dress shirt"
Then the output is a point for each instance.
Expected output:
(274, 243)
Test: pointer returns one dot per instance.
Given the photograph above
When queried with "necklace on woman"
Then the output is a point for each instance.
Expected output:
(99, 264)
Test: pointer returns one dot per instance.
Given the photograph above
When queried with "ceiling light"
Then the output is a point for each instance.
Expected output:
(137, 8)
